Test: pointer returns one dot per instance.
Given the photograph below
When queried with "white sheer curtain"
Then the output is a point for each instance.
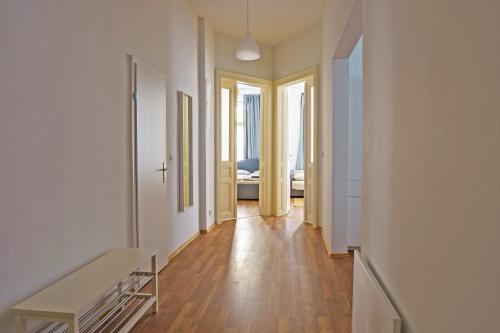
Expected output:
(251, 105)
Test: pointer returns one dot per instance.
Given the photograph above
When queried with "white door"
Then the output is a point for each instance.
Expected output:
(309, 163)
(284, 160)
(150, 159)
(287, 152)
(227, 150)
(282, 177)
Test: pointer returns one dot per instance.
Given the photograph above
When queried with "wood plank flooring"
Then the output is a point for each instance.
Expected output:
(247, 208)
(254, 275)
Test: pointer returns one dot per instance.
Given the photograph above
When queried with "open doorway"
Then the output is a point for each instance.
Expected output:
(347, 148)
(243, 147)
(247, 149)
(296, 146)
(295, 108)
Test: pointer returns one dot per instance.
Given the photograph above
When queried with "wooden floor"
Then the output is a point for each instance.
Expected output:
(250, 208)
(296, 210)
(247, 208)
(254, 275)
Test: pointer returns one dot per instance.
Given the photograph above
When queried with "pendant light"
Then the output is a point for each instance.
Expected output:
(248, 48)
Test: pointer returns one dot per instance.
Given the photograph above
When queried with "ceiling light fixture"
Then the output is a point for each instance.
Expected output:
(248, 48)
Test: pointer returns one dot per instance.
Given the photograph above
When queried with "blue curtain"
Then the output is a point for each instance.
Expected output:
(299, 165)
(251, 105)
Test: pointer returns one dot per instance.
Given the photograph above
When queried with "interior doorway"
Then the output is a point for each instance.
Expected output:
(243, 146)
(295, 109)
(296, 146)
(247, 149)
(347, 148)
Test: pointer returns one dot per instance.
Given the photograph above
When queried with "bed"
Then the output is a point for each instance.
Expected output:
(248, 179)
(297, 184)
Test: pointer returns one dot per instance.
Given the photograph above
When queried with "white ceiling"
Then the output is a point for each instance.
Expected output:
(271, 21)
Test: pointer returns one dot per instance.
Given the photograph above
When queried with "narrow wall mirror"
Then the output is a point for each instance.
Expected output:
(185, 140)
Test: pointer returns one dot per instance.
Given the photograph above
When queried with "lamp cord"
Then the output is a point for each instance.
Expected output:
(248, 18)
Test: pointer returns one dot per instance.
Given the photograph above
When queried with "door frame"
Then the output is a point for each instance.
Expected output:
(310, 75)
(266, 138)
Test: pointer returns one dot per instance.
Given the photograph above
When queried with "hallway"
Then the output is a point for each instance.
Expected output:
(254, 275)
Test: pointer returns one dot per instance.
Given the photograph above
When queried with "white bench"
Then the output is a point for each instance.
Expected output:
(101, 294)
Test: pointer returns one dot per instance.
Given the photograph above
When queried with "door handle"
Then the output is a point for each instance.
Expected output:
(163, 170)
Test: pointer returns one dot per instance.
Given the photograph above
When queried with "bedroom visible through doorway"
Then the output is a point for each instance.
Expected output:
(247, 149)
(295, 108)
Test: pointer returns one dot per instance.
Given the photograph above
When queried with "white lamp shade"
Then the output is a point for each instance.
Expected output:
(248, 48)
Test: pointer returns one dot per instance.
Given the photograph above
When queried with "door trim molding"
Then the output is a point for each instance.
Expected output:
(266, 138)
(310, 74)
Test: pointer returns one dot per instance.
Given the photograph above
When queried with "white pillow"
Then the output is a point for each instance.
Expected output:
(255, 174)
(298, 175)
(243, 172)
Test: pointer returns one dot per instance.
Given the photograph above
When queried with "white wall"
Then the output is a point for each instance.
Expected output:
(225, 48)
(182, 75)
(64, 130)
(298, 53)
(336, 16)
(278, 61)
(431, 190)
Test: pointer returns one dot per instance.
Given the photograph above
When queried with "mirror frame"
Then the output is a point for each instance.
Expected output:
(180, 128)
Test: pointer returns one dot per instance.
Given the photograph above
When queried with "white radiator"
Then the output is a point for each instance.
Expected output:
(372, 311)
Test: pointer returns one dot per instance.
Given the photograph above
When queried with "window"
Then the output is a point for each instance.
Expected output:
(312, 124)
(240, 129)
(225, 116)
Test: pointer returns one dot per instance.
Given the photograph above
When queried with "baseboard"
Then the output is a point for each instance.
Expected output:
(182, 247)
(324, 240)
(206, 231)
(227, 220)
(340, 255)
(332, 255)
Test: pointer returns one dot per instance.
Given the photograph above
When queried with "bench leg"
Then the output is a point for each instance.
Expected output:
(154, 281)
(73, 325)
(21, 324)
